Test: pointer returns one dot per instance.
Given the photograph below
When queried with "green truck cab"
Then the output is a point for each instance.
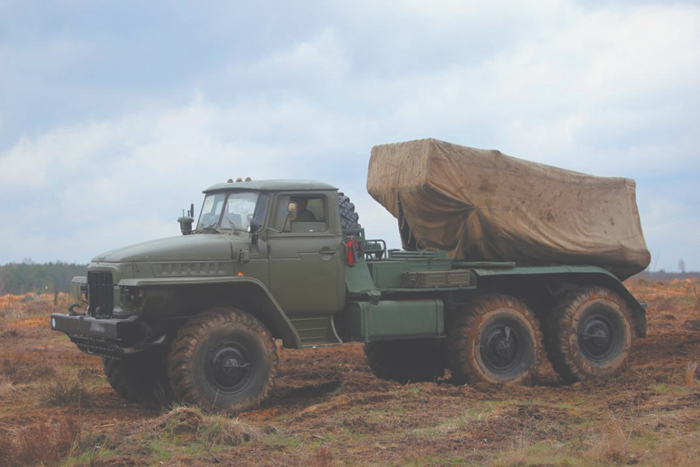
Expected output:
(198, 318)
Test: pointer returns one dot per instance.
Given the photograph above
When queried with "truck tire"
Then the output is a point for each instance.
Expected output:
(589, 335)
(494, 339)
(349, 219)
(405, 361)
(140, 378)
(223, 359)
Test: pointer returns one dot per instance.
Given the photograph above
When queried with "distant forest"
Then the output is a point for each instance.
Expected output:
(21, 278)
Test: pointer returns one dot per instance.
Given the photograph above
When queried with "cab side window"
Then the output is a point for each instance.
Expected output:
(310, 215)
(317, 207)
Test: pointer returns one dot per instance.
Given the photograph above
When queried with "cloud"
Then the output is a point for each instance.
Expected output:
(586, 90)
(141, 169)
(671, 229)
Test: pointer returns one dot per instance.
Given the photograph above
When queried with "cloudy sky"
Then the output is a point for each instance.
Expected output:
(115, 115)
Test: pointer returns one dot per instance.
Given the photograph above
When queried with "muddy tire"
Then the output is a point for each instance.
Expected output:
(141, 378)
(223, 359)
(494, 339)
(589, 335)
(349, 219)
(406, 361)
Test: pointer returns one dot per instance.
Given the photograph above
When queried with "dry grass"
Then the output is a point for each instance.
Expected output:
(20, 368)
(182, 430)
(16, 306)
(323, 457)
(62, 392)
(187, 424)
(40, 444)
(332, 411)
(690, 372)
(696, 296)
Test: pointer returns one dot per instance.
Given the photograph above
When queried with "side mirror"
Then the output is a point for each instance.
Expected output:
(186, 221)
(185, 224)
(254, 226)
(291, 214)
(292, 210)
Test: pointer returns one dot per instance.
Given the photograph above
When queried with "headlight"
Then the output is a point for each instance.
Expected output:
(132, 297)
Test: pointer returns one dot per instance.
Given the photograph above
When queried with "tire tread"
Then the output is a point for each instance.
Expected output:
(559, 353)
(464, 328)
(183, 348)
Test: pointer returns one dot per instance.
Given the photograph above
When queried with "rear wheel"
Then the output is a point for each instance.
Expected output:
(405, 361)
(141, 377)
(495, 339)
(590, 335)
(223, 360)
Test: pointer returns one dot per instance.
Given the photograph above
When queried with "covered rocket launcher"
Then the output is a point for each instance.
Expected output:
(482, 205)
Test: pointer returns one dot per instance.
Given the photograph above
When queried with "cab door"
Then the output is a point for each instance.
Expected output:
(307, 273)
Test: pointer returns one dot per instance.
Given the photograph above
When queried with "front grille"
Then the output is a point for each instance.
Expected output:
(100, 294)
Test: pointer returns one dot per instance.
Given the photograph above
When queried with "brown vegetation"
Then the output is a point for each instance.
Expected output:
(328, 409)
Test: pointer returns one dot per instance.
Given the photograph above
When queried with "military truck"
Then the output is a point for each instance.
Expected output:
(199, 318)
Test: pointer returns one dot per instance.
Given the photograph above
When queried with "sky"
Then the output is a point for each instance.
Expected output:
(114, 116)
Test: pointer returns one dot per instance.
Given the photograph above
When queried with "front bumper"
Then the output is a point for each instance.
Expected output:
(103, 337)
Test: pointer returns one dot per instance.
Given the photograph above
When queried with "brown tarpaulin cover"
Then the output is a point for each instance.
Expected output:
(482, 205)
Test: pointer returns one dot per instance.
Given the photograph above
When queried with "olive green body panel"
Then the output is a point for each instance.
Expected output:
(389, 274)
(358, 279)
(194, 248)
(418, 276)
(169, 297)
(307, 275)
(315, 330)
(389, 319)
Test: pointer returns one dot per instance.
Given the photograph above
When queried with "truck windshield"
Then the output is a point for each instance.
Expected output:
(228, 211)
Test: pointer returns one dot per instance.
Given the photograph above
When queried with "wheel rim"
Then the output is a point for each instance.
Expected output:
(597, 337)
(229, 368)
(502, 347)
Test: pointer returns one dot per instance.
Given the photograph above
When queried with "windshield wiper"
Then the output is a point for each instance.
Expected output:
(209, 228)
(233, 226)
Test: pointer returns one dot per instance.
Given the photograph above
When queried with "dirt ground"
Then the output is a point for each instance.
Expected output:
(56, 408)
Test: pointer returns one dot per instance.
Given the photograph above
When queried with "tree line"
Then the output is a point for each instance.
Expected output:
(21, 278)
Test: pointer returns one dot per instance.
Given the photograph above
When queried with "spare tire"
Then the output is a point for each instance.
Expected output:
(348, 217)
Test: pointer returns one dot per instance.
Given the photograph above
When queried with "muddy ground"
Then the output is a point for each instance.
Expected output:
(328, 409)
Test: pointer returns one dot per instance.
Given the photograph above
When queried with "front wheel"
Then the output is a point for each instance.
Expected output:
(494, 339)
(590, 335)
(140, 377)
(223, 360)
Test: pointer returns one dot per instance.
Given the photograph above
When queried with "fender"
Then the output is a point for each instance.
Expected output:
(579, 275)
(272, 314)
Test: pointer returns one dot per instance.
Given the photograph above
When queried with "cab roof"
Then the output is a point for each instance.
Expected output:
(272, 185)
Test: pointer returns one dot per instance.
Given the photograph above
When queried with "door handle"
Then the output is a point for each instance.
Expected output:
(327, 251)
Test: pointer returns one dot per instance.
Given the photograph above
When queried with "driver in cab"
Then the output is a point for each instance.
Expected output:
(303, 214)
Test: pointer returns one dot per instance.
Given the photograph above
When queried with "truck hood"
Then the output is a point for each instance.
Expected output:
(198, 247)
